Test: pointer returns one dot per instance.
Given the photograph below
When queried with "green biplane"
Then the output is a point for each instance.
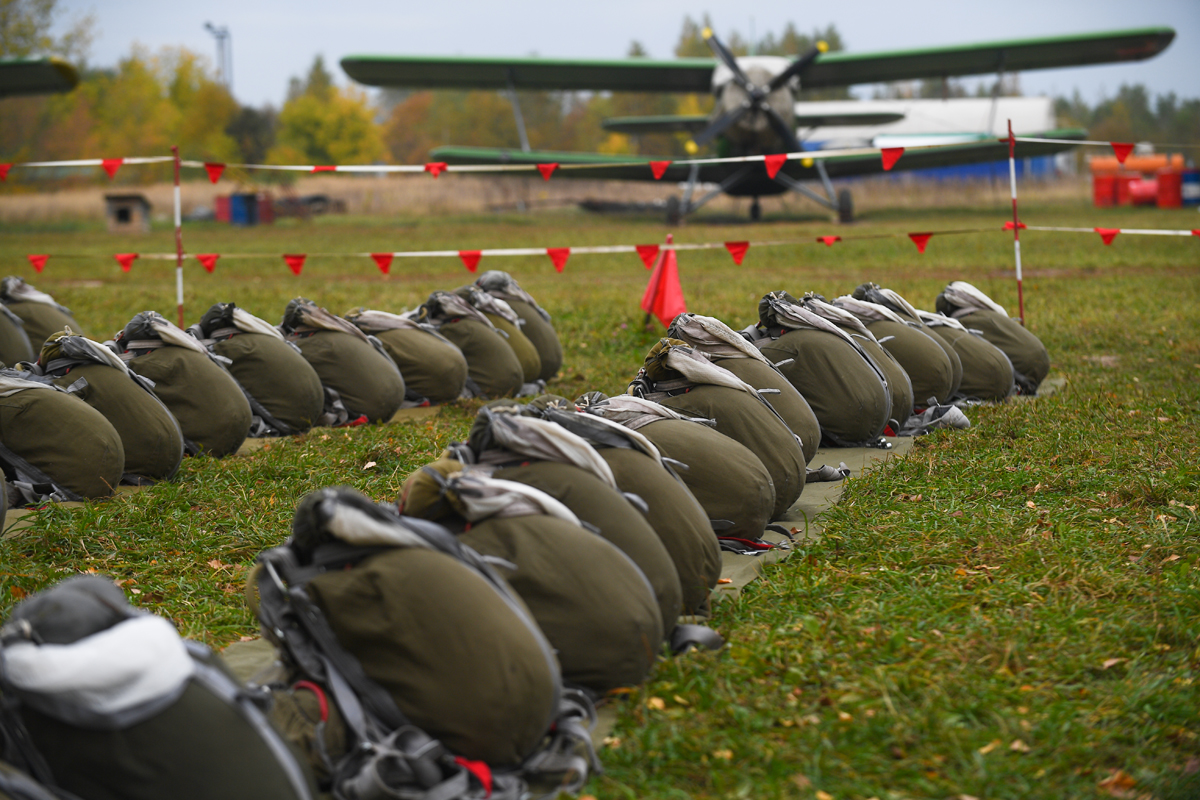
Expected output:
(756, 111)
(24, 76)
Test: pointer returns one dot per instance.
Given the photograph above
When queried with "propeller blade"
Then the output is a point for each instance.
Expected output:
(781, 127)
(719, 125)
(798, 66)
(727, 58)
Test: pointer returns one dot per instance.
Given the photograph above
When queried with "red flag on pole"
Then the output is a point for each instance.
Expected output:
(737, 250)
(435, 168)
(920, 240)
(829, 240)
(4, 168)
(1108, 234)
(470, 258)
(558, 256)
(547, 170)
(214, 171)
(647, 253)
(774, 163)
(384, 261)
(111, 165)
(1008, 226)
(125, 260)
(208, 260)
(659, 168)
(664, 294)
(1122, 150)
(890, 156)
(38, 261)
(295, 261)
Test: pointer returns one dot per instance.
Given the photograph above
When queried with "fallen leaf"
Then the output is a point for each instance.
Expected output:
(801, 781)
(824, 795)
(368, 465)
(1018, 746)
(135, 591)
(845, 717)
(724, 580)
(967, 797)
(1026, 688)
(1112, 662)
(1030, 504)
(956, 513)
(989, 747)
(656, 703)
(725, 755)
(681, 701)
(611, 741)
(1118, 784)
(17, 592)
(247, 638)
(216, 563)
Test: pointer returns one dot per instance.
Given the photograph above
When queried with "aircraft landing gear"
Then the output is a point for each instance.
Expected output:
(845, 206)
(674, 211)
(756, 210)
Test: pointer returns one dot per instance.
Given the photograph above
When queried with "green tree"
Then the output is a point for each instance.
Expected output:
(321, 124)
(25, 31)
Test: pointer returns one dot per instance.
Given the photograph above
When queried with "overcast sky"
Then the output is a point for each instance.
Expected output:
(274, 40)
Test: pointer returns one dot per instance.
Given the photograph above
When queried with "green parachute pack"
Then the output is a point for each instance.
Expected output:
(535, 321)
(515, 447)
(41, 316)
(727, 348)
(978, 312)
(284, 391)
(987, 372)
(109, 703)
(685, 380)
(15, 346)
(366, 384)
(54, 446)
(843, 385)
(150, 434)
(436, 681)
(672, 511)
(595, 606)
(493, 369)
(726, 478)
(505, 320)
(208, 402)
(434, 369)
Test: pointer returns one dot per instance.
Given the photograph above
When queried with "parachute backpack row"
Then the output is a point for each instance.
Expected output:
(103, 702)
(978, 312)
(14, 341)
(493, 369)
(39, 314)
(505, 320)
(535, 321)
(434, 369)
(431, 677)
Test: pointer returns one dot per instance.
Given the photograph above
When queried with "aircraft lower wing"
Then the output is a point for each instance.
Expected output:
(597, 166)
(696, 74)
(694, 123)
(19, 76)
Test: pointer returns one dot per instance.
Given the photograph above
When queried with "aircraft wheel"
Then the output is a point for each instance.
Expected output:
(756, 210)
(674, 210)
(845, 206)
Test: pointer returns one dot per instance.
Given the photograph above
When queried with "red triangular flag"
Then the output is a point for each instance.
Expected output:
(125, 260)
(829, 240)
(214, 171)
(558, 256)
(111, 165)
(664, 295)
(774, 163)
(295, 262)
(659, 168)
(1122, 149)
(4, 168)
(39, 262)
(324, 168)
(435, 168)
(384, 260)
(1008, 226)
(890, 156)
(547, 170)
(470, 258)
(208, 260)
(737, 250)
(647, 253)
(920, 240)
(1108, 234)
(1196, 232)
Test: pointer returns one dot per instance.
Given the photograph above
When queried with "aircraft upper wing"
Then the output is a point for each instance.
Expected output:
(36, 76)
(847, 69)
(695, 74)
(637, 168)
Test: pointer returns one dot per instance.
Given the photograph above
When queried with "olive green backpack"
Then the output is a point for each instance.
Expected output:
(536, 323)
(109, 703)
(443, 685)
(364, 379)
(150, 434)
(210, 405)
(285, 393)
(15, 346)
(37, 310)
(433, 367)
(54, 445)
(493, 369)
(978, 312)
(987, 372)
(505, 320)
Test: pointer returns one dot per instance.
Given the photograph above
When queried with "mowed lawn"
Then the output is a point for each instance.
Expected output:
(1011, 611)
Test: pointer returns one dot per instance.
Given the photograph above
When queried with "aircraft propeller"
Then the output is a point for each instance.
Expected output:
(756, 95)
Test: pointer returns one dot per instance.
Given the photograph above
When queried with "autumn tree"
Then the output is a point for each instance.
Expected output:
(322, 124)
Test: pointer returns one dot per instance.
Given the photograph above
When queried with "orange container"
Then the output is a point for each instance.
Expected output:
(1104, 189)
(1146, 164)
(1170, 188)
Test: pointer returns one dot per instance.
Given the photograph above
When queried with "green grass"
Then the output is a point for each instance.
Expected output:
(1026, 627)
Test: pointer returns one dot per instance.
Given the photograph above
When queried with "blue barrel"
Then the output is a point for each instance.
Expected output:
(243, 209)
(1191, 187)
